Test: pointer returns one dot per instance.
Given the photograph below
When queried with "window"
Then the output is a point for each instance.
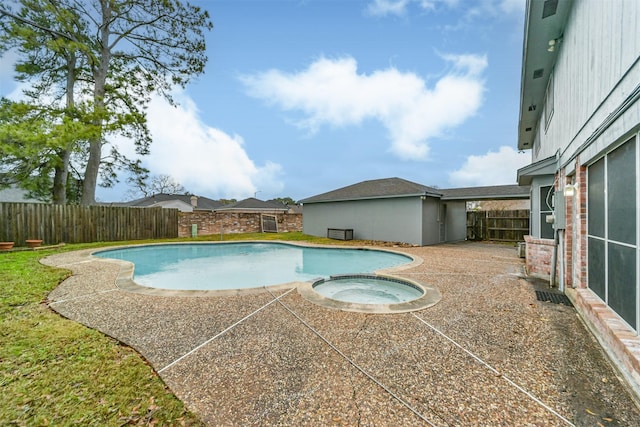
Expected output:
(612, 230)
(546, 208)
(548, 103)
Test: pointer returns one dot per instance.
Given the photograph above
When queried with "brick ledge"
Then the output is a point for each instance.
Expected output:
(619, 341)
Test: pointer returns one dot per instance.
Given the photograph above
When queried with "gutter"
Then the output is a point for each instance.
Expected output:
(353, 199)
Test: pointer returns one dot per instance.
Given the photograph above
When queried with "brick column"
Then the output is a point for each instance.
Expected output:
(538, 261)
(581, 226)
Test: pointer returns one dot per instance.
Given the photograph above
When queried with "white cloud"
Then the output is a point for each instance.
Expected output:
(388, 7)
(493, 168)
(332, 92)
(7, 72)
(400, 7)
(205, 160)
(474, 9)
(512, 6)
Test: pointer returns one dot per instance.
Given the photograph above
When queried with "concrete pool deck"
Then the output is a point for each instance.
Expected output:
(488, 353)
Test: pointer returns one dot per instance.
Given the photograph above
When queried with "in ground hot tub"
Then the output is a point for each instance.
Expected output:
(371, 293)
(368, 289)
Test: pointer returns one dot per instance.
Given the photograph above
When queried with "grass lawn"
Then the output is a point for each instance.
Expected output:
(56, 371)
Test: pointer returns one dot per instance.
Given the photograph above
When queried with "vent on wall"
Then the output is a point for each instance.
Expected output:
(538, 73)
(269, 224)
(549, 8)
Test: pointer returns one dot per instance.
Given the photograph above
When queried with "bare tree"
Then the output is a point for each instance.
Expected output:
(145, 186)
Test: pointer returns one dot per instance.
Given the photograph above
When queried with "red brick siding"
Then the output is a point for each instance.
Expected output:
(538, 259)
(581, 222)
(209, 223)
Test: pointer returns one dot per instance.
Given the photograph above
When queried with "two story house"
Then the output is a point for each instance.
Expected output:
(580, 117)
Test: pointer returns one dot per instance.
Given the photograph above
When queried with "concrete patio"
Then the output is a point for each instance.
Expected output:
(488, 353)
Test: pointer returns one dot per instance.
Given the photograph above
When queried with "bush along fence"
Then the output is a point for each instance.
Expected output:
(55, 224)
(500, 226)
(205, 223)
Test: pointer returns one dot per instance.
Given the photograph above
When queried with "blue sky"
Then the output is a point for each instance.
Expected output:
(303, 97)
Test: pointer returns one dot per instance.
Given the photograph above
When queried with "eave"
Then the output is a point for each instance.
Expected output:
(544, 167)
(541, 27)
(352, 199)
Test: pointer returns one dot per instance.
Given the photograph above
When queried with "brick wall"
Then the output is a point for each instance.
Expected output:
(569, 232)
(580, 242)
(538, 260)
(209, 223)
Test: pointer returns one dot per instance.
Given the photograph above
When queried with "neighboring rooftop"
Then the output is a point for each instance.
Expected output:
(14, 194)
(253, 204)
(375, 189)
(488, 192)
(201, 203)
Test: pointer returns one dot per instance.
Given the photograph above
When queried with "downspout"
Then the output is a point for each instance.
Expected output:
(558, 235)
(561, 249)
(554, 260)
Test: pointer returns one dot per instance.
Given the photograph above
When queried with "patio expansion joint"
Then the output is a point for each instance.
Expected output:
(495, 371)
(83, 296)
(219, 334)
(354, 364)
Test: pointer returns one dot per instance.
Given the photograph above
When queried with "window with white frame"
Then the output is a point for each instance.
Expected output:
(612, 218)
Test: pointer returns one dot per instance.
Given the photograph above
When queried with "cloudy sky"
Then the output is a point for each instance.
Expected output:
(302, 97)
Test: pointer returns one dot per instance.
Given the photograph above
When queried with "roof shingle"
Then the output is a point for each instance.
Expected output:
(376, 188)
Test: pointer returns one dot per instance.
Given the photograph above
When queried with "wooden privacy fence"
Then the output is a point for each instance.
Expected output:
(82, 224)
(501, 226)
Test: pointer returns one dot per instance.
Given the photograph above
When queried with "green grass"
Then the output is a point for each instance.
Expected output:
(56, 371)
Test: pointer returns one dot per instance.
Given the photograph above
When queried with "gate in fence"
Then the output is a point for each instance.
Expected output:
(500, 226)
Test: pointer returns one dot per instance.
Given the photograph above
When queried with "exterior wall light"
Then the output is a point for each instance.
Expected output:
(570, 189)
(552, 45)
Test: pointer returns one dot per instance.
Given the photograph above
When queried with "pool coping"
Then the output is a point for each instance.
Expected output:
(125, 282)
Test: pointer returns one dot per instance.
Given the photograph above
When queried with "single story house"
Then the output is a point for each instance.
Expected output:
(397, 210)
(14, 194)
(182, 202)
(254, 205)
(580, 117)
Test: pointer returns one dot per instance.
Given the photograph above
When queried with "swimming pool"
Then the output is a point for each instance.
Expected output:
(224, 266)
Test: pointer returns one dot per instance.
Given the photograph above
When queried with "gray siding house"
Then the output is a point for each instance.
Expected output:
(397, 210)
(580, 117)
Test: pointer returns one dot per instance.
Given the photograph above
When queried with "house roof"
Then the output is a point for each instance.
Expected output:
(543, 167)
(375, 189)
(253, 204)
(544, 23)
(203, 203)
(495, 192)
(16, 195)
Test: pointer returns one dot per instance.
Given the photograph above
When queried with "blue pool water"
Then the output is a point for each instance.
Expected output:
(366, 289)
(244, 265)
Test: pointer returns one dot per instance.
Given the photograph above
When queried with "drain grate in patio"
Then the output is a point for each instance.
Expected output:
(553, 297)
